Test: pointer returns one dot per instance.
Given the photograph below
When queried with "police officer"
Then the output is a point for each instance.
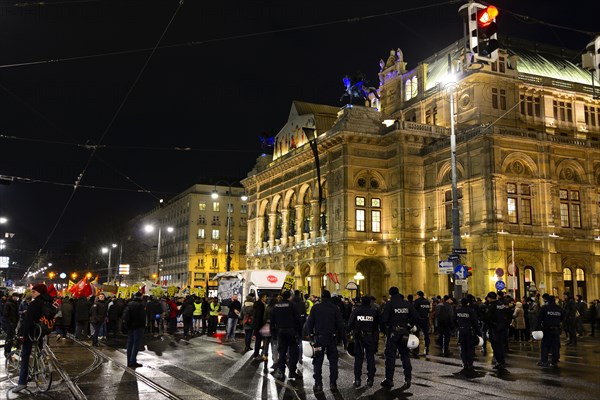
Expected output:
(325, 324)
(498, 318)
(364, 321)
(465, 318)
(423, 308)
(549, 321)
(396, 320)
(286, 325)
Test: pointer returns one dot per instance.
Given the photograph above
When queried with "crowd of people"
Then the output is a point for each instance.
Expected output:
(284, 324)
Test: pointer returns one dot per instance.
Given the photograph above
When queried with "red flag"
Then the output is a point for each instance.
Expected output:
(337, 278)
(52, 291)
(86, 291)
(78, 287)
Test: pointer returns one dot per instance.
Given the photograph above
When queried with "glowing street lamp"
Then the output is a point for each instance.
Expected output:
(358, 277)
(149, 228)
(109, 251)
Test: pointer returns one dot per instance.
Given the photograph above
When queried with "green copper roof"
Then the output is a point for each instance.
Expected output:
(550, 66)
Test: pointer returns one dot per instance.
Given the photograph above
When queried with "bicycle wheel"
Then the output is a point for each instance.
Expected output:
(42, 372)
(13, 366)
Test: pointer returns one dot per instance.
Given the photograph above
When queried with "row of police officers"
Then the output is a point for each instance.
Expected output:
(398, 318)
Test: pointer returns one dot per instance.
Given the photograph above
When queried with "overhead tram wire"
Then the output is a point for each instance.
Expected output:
(233, 37)
(105, 132)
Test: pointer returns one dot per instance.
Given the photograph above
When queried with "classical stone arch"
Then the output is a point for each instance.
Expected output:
(289, 195)
(263, 207)
(301, 193)
(519, 164)
(570, 171)
(444, 176)
(369, 179)
(275, 203)
(374, 272)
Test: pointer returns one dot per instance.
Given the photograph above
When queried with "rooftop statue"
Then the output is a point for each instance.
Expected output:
(358, 91)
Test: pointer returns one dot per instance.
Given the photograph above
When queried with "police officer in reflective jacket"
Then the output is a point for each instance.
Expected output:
(364, 321)
(286, 325)
(549, 321)
(465, 318)
(423, 307)
(396, 320)
(325, 324)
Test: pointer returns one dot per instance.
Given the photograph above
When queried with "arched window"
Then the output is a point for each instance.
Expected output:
(292, 216)
(306, 218)
(529, 280)
(266, 224)
(414, 86)
(568, 280)
(278, 221)
(580, 287)
(408, 90)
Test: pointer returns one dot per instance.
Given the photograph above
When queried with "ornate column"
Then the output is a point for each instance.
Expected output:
(272, 223)
(284, 226)
(314, 220)
(299, 216)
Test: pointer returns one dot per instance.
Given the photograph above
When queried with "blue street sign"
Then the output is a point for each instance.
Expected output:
(500, 285)
(9, 282)
(460, 271)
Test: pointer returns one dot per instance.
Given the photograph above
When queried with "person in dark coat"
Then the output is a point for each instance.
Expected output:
(31, 316)
(11, 319)
(82, 317)
(98, 317)
(258, 321)
(570, 321)
(63, 323)
(325, 325)
(134, 320)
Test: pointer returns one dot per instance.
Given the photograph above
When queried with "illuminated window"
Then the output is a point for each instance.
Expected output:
(360, 220)
(216, 206)
(375, 202)
(360, 201)
(201, 233)
(570, 209)
(376, 221)
(580, 275)
(215, 234)
(567, 274)
(215, 263)
(202, 206)
(518, 203)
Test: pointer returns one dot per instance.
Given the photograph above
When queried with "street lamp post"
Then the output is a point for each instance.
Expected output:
(109, 251)
(358, 277)
(215, 195)
(150, 228)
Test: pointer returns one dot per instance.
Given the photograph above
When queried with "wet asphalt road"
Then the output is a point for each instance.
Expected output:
(204, 368)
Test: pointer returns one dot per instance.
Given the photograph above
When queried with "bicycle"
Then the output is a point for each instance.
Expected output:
(39, 367)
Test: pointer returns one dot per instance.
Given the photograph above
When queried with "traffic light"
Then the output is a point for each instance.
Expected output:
(483, 38)
(469, 271)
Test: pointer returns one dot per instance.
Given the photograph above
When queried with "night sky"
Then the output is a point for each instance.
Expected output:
(215, 85)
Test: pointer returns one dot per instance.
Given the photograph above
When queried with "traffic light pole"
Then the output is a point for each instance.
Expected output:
(455, 211)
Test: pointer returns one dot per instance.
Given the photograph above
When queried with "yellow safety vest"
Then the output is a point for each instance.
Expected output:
(214, 309)
(197, 309)
(309, 307)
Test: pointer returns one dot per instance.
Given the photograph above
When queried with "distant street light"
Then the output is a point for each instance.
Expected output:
(3, 220)
(148, 228)
(109, 251)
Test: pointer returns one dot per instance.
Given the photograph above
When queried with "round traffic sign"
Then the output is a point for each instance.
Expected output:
(511, 269)
(499, 272)
(500, 285)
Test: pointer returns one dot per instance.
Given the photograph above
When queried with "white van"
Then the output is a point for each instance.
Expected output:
(251, 281)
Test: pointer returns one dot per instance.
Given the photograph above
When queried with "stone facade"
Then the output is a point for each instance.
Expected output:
(528, 163)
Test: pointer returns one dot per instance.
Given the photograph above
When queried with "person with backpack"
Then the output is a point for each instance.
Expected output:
(11, 315)
(247, 315)
(31, 317)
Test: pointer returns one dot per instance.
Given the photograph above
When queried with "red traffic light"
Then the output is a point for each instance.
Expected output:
(486, 16)
(469, 271)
